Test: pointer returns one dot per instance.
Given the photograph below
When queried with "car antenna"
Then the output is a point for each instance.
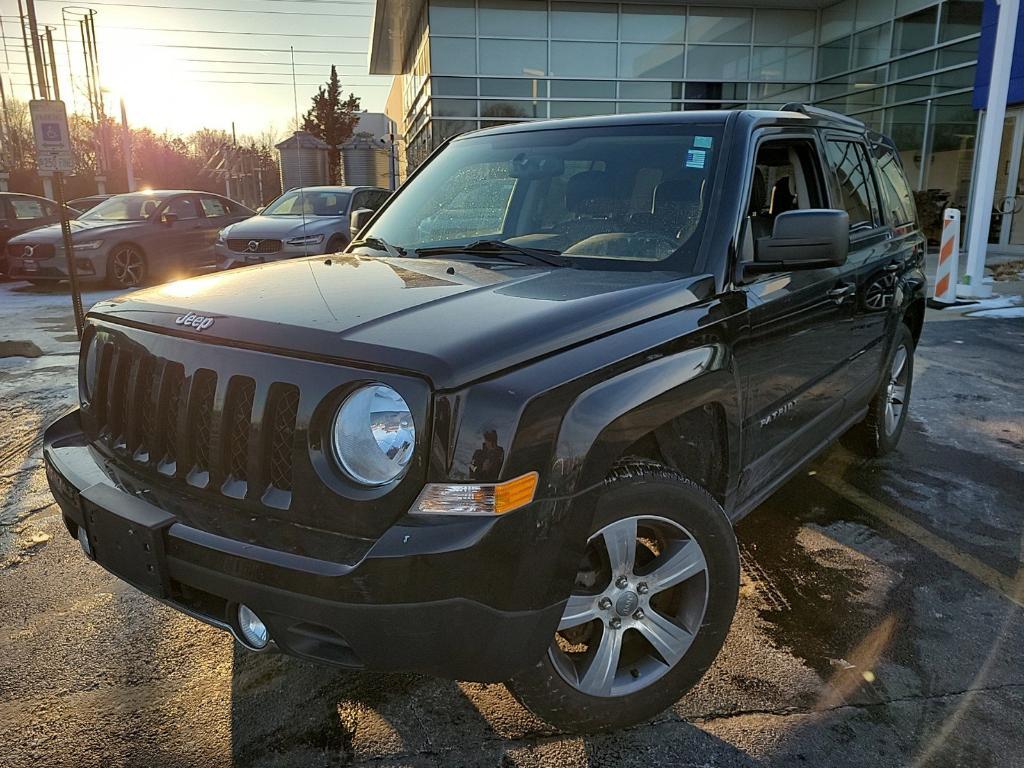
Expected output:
(298, 155)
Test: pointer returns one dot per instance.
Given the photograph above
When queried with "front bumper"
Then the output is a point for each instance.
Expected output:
(90, 268)
(229, 259)
(411, 603)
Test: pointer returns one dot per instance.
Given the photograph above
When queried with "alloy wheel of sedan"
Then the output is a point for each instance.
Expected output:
(127, 267)
(896, 391)
(641, 597)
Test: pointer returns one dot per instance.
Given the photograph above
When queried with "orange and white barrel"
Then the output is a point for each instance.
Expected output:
(949, 257)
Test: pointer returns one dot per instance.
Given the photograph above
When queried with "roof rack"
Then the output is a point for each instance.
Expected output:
(822, 114)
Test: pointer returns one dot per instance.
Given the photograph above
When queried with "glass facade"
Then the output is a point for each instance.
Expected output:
(905, 67)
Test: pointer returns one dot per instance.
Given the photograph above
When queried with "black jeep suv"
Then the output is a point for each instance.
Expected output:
(507, 439)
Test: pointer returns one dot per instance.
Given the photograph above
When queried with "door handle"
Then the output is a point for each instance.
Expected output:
(839, 294)
(894, 267)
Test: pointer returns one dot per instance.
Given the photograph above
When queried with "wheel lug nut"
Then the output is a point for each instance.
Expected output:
(622, 582)
(615, 623)
(604, 604)
(639, 614)
(642, 588)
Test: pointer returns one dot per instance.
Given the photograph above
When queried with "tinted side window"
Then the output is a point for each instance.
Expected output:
(27, 208)
(361, 199)
(853, 172)
(184, 207)
(896, 194)
(213, 206)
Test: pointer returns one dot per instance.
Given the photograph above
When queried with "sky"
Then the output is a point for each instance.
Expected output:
(187, 64)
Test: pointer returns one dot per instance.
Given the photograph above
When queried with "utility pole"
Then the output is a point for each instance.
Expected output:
(972, 284)
(37, 48)
(53, 64)
(28, 55)
(126, 148)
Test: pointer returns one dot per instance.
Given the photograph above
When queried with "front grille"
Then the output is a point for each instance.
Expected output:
(39, 250)
(197, 427)
(239, 245)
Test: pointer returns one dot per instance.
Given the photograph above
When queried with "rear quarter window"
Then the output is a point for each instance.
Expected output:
(896, 195)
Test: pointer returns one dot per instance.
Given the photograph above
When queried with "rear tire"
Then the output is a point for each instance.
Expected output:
(657, 589)
(880, 430)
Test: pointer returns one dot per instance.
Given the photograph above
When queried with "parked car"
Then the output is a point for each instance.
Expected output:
(86, 203)
(301, 222)
(515, 455)
(21, 213)
(130, 239)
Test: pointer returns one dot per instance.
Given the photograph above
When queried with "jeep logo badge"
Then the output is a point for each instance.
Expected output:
(192, 320)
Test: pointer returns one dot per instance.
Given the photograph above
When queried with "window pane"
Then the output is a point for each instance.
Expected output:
(959, 53)
(914, 32)
(650, 91)
(837, 20)
(912, 89)
(637, 60)
(531, 109)
(453, 55)
(513, 57)
(452, 17)
(453, 86)
(834, 57)
(718, 62)
(583, 59)
(871, 46)
(727, 25)
(914, 65)
(784, 27)
(948, 168)
(959, 18)
(906, 128)
(581, 108)
(582, 89)
(956, 79)
(855, 183)
(896, 194)
(781, 63)
(512, 18)
(527, 88)
(584, 21)
(653, 23)
(453, 107)
(780, 93)
(872, 12)
(717, 91)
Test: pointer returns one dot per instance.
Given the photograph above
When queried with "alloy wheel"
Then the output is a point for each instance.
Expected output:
(128, 267)
(896, 390)
(640, 598)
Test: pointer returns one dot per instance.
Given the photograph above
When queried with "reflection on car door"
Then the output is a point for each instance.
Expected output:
(218, 212)
(177, 247)
(792, 362)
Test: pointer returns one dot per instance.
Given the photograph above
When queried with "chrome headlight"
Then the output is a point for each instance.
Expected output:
(373, 435)
(91, 245)
(307, 240)
(90, 367)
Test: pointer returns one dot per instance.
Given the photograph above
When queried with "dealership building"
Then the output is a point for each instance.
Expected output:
(914, 69)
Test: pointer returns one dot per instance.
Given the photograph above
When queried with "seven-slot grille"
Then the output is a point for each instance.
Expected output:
(185, 427)
(240, 245)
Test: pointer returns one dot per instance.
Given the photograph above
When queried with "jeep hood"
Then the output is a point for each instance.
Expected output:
(451, 321)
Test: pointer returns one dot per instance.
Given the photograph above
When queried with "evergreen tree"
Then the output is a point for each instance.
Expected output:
(332, 119)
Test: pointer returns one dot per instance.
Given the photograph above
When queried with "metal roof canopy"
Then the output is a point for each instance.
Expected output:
(395, 22)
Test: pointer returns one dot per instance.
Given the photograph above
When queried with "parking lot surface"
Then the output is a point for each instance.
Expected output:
(880, 619)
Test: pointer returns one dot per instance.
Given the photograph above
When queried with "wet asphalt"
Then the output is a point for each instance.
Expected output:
(880, 620)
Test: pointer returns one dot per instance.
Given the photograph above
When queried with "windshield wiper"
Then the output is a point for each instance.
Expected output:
(380, 244)
(501, 250)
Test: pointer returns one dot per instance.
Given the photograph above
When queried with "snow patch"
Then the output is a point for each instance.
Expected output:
(1000, 312)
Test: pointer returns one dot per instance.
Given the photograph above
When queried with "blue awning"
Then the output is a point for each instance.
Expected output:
(983, 76)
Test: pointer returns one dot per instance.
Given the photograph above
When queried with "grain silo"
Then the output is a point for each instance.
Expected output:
(367, 161)
(304, 161)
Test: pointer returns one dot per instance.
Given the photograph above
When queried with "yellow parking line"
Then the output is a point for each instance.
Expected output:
(1011, 587)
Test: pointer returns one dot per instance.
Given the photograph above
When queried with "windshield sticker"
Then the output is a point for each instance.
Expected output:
(703, 142)
(695, 158)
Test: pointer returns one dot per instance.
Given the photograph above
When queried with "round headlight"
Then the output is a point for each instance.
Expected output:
(373, 435)
(91, 367)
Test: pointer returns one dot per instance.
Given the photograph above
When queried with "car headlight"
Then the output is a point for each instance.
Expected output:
(90, 245)
(221, 236)
(90, 367)
(373, 435)
(307, 240)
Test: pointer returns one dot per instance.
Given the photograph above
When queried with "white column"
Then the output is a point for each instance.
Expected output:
(983, 188)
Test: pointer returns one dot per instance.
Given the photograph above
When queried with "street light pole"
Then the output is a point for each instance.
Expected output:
(126, 148)
(972, 285)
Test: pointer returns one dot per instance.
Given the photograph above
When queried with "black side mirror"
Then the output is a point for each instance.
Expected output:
(169, 218)
(359, 219)
(812, 238)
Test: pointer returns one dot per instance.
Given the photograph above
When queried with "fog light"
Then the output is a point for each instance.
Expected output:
(254, 631)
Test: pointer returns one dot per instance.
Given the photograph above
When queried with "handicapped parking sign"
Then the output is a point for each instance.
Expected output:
(53, 140)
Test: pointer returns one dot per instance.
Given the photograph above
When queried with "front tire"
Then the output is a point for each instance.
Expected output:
(652, 604)
(336, 244)
(126, 267)
(880, 430)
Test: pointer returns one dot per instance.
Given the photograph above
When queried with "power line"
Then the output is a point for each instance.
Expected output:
(225, 10)
(248, 82)
(216, 32)
(232, 48)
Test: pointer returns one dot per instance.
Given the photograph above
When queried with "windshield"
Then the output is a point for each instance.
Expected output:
(309, 202)
(626, 192)
(123, 208)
